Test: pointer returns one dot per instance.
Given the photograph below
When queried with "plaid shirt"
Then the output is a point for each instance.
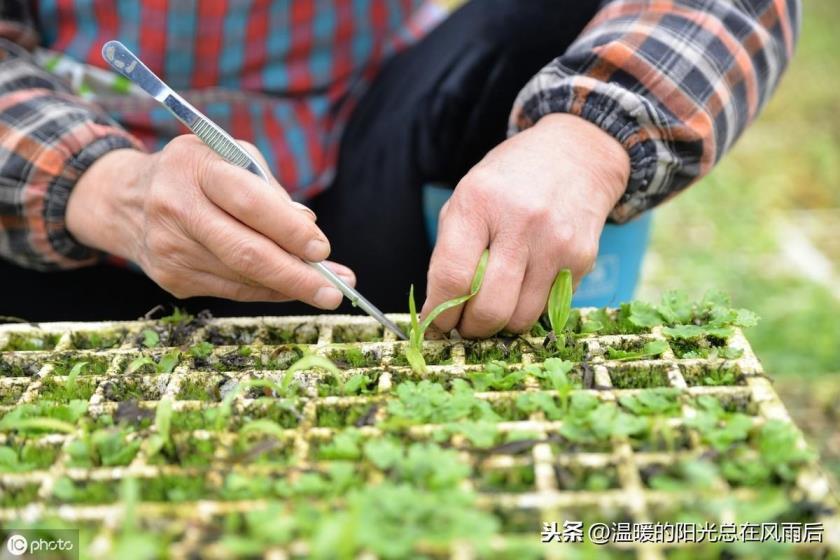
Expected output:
(676, 82)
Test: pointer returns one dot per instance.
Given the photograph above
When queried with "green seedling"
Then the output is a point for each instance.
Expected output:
(529, 403)
(554, 373)
(777, 454)
(496, 377)
(652, 402)
(310, 361)
(150, 338)
(45, 416)
(161, 440)
(429, 402)
(202, 350)
(590, 420)
(480, 434)
(26, 457)
(226, 408)
(718, 427)
(107, 447)
(560, 306)
(651, 349)
(417, 333)
(262, 426)
(356, 385)
(96, 340)
(393, 520)
(24, 342)
(131, 542)
(74, 373)
(166, 364)
(345, 445)
(424, 465)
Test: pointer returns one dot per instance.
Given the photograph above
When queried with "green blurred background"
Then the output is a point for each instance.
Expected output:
(765, 227)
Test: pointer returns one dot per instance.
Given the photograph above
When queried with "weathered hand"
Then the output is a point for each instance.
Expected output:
(539, 201)
(199, 226)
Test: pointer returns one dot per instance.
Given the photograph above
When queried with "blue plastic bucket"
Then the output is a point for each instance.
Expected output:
(616, 272)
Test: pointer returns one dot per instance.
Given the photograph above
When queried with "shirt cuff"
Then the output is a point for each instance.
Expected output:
(628, 117)
(49, 228)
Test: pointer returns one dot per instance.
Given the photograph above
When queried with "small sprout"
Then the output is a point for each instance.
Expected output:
(559, 309)
(150, 338)
(37, 425)
(139, 363)
(166, 364)
(414, 352)
(262, 426)
(224, 411)
(73, 374)
(651, 349)
(179, 317)
(309, 362)
(163, 423)
(201, 350)
(356, 385)
(560, 302)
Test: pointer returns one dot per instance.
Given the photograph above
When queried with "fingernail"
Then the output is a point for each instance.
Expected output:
(306, 209)
(327, 297)
(317, 250)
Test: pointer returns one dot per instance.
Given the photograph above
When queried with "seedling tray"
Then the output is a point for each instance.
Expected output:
(279, 476)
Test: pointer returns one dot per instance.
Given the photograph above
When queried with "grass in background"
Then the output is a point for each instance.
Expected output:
(721, 232)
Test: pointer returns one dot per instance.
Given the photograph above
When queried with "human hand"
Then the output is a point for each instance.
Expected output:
(539, 201)
(199, 226)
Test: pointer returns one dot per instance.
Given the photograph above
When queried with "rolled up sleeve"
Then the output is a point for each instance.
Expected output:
(675, 82)
(48, 139)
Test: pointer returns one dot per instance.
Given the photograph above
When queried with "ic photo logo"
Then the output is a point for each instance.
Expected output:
(17, 545)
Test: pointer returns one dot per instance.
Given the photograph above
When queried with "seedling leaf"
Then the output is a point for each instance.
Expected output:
(138, 363)
(309, 362)
(414, 351)
(262, 426)
(168, 362)
(560, 301)
(150, 338)
(74, 373)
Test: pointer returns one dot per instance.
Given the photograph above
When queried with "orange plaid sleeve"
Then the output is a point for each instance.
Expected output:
(48, 138)
(675, 81)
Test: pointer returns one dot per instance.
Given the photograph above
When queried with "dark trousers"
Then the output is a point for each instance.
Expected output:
(431, 114)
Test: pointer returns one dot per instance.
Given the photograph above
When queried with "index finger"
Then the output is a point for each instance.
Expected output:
(454, 260)
(261, 206)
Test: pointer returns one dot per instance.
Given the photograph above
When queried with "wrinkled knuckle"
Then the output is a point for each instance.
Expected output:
(562, 236)
(180, 149)
(156, 203)
(488, 316)
(520, 324)
(243, 202)
(161, 244)
(248, 259)
(531, 211)
(450, 279)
